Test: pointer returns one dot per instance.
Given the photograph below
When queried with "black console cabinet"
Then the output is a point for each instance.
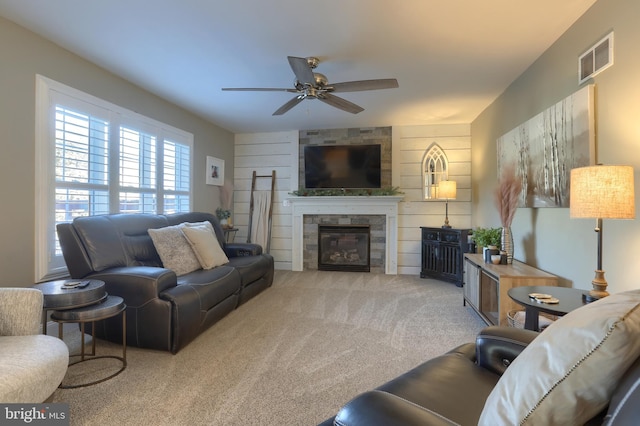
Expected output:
(442, 250)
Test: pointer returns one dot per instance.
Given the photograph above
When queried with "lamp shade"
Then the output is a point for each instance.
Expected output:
(447, 189)
(602, 192)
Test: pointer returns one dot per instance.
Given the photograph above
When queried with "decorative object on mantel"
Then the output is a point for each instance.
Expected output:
(332, 192)
(602, 192)
(507, 197)
(447, 191)
(223, 213)
(546, 147)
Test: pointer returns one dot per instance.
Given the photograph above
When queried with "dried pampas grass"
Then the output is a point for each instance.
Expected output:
(226, 193)
(507, 195)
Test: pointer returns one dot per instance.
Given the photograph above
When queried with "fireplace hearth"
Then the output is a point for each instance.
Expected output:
(381, 212)
(344, 248)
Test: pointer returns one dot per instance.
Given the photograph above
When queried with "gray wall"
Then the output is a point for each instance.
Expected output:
(546, 237)
(25, 54)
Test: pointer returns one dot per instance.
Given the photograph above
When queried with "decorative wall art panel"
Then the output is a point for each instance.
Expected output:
(545, 149)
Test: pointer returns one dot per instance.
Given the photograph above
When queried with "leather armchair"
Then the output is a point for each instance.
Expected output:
(452, 389)
(432, 393)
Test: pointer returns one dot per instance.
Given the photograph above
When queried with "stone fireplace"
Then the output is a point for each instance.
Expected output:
(379, 212)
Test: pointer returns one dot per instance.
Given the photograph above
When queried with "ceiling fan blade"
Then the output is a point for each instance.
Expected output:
(340, 103)
(286, 107)
(301, 69)
(358, 86)
(258, 89)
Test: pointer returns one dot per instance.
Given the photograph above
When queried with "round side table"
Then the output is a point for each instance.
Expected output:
(569, 299)
(56, 297)
(110, 307)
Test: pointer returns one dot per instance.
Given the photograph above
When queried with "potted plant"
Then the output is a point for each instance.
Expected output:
(488, 239)
(223, 216)
(493, 236)
(485, 237)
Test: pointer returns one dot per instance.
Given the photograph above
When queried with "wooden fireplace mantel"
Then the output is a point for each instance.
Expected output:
(345, 205)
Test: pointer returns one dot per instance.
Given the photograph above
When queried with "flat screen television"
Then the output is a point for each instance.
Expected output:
(342, 166)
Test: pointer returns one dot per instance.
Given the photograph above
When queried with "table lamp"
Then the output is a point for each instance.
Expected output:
(447, 191)
(601, 192)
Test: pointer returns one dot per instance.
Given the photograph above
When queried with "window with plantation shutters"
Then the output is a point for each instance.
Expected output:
(177, 176)
(137, 171)
(81, 164)
(93, 157)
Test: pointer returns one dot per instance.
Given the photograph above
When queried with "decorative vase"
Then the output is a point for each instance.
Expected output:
(507, 243)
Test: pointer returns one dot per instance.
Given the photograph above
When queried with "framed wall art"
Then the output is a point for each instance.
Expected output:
(215, 171)
(545, 149)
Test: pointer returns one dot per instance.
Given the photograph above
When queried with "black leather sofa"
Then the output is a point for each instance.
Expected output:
(452, 389)
(164, 311)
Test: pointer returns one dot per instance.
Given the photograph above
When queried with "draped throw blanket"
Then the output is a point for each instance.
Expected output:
(260, 219)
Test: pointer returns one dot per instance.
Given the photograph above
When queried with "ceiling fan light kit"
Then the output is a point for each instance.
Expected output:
(314, 85)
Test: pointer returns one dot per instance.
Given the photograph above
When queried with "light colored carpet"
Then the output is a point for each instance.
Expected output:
(292, 355)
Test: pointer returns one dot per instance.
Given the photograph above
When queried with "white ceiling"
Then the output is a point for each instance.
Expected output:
(451, 58)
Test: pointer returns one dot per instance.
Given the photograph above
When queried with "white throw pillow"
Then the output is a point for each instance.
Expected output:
(206, 246)
(567, 374)
(174, 250)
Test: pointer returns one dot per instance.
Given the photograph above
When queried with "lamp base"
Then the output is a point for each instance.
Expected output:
(599, 284)
(446, 226)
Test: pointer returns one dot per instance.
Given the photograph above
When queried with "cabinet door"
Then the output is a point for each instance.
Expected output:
(429, 258)
(450, 256)
(472, 283)
(430, 250)
(450, 261)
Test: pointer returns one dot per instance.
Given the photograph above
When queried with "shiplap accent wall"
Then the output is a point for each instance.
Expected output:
(409, 144)
(264, 152)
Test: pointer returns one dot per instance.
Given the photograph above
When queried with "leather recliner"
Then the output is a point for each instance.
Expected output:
(164, 311)
(452, 389)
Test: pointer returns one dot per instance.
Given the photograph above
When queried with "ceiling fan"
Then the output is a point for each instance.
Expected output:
(313, 85)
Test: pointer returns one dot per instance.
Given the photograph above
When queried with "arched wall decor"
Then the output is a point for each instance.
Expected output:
(435, 168)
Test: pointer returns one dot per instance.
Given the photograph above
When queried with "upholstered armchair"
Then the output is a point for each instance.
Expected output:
(32, 365)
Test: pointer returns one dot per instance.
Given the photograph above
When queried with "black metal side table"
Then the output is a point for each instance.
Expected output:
(230, 234)
(110, 307)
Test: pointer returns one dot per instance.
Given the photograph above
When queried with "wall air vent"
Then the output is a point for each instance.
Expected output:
(596, 59)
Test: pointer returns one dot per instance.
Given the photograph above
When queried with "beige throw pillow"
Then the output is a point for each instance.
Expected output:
(174, 250)
(205, 244)
(567, 374)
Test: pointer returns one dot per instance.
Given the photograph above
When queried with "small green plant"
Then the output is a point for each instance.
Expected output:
(223, 213)
(485, 237)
